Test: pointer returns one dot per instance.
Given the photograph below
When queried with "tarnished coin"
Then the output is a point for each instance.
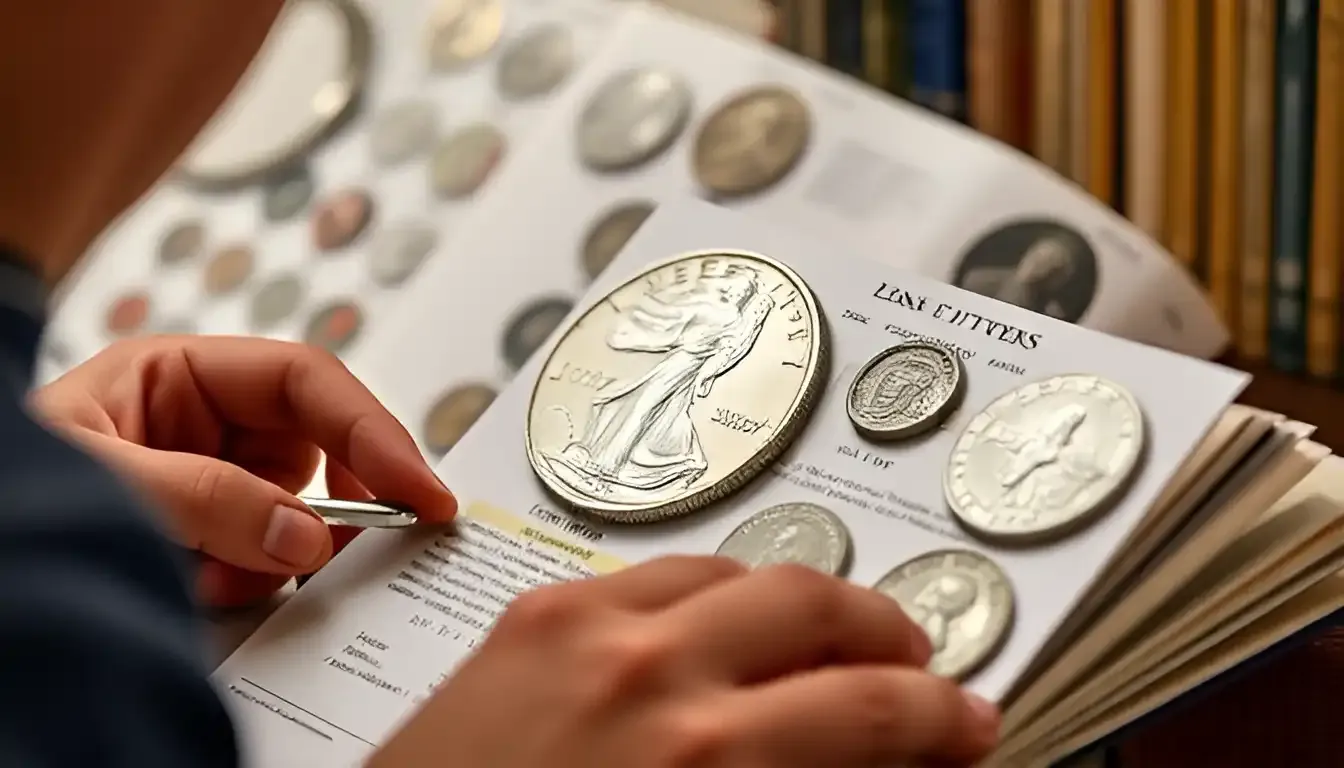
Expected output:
(453, 414)
(462, 31)
(905, 390)
(464, 160)
(229, 269)
(800, 533)
(127, 314)
(534, 64)
(335, 326)
(184, 242)
(632, 118)
(678, 387)
(399, 252)
(286, 194)
(752, 142)
(402, 132)
(963, 601)
(1045, 458)
(341, 218)
(610, 233)
(531, 326)
(275, 301)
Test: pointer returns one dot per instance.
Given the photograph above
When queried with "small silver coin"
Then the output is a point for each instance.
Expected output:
(962, 600)
(1045, 459)
(799, 533)
(632, 118)
(287, 194)
(905, 391)
(464, 160)
(610, 233)
(530, 328)
(402, 132)
(398, 253)
(183, 242)
(275, 301)
(536, 63)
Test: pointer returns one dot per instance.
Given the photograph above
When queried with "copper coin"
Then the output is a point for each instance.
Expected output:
(286, 194)
(531, 326)
(334, 327)
(453, 414)
(128, 313)
(610, 233)
(228, 270)
(341, 218)
(183, 242)
(464, 160)
(752, 142)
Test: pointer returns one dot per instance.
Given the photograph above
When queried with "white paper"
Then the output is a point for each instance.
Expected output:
(306, 689)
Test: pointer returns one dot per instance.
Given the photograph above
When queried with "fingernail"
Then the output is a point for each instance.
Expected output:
(294, 537)
(986, 716)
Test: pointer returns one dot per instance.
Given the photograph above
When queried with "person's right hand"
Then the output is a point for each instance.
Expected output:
(693, 661)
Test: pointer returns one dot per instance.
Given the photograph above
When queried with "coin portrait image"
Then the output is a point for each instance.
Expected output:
(609, 234)
(797, 532)
(905, 391)
(530, 326)
(1045, 458)
(752, 142)
(286, 194)
(678, 387)
(536, 63)
(1037, 264)
(183, 242)
(962, 600)
(334, 327)
(632, 118)
(462, 31)
(453, 414)
(465, 159)
(341, 219)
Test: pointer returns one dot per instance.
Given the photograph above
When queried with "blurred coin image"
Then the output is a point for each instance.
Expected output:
(341, 218)
(228, 270)
(531, 326)
(609, 234)
(1038, 264)
(534, 64)
(752, 141)
(453, 414)
(402, 132)
(286, 194)
(335, 326)
(127, 314)
(464, 160)
(183, 242)
(632, 118)
(399, 251)
(275, 301)
(462, 31)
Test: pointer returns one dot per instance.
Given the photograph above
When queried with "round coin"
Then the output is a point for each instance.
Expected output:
(228, 270)
(127, 314)
(800, 533)
(183, 242)
(1044, 459)
(740, 356)
(341, 218)
(453, 414)
(610, 233)
(399, 252)
(536, 63)
(752, 142)
(286, 194)
(402, 132)
(962, 600)
(275, 301)
(462, 31)
(531, 326)
(464, 160)
(905, 391)
(334, 327)
(632, 118)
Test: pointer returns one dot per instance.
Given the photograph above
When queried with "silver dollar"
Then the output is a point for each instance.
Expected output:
(535, 63)
(800, 533)
(905, 391)
(740, 351)
(632, 118)
(1042, 460)
(962, 600)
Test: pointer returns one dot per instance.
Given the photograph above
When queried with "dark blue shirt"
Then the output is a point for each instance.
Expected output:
(101, 652)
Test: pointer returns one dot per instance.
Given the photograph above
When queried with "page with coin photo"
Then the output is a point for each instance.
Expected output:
(1011, 480)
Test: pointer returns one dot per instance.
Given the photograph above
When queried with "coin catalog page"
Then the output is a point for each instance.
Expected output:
(728, 386)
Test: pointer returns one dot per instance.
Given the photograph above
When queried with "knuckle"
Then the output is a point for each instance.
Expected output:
(693, 736)
(812, 591)
(631, 660)
(208, 484)
(880, 709)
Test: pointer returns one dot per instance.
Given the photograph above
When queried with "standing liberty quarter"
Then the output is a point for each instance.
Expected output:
(127, 314)
(632, 118)
(398, 253)
(905, 391)
(531, 326)
(402, 132)
(797, 532)
(536, 63)
(228, 270)
(184, 242)
(287, 193)
(341, 218)
(275, 301)
(462, 31)
(335, 326)
(465, 159)
(1044, 459)
(678, 387)
(752, 142)
(610, 233)
(453, 414)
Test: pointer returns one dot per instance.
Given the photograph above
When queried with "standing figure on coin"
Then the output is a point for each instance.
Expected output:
(1047, 468)
(941, 602)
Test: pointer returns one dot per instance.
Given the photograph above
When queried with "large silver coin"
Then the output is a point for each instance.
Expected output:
(1042, 460)
(402, 132)
(905, 391)
(800, 533)
(678, 387)
(399, 252)
(962, 600)
(536, 63)
(631, 119)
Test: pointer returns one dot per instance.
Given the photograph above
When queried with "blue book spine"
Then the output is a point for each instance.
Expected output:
(844, 36)
(938, 55)
(1294, 122)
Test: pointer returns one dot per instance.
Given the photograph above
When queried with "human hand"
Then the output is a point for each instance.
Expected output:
(696, 662)
(221, 432)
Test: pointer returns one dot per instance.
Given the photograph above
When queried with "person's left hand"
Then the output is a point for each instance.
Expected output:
(221, 432)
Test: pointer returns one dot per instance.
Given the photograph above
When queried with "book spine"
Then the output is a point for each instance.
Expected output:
(1222, 253)
(1294, 118)
(1183, 97)
(876, 38)
(999, 75)
(812, 32)
(1327, 196)
(844, 36)
(898, 47)
(788, 25)
(1257, 179)
(1101, 92)
(1145, 115)
(1076, 48)
(938, 54)
(1049, 140)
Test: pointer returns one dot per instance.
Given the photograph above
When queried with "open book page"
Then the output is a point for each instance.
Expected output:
(339, 665)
